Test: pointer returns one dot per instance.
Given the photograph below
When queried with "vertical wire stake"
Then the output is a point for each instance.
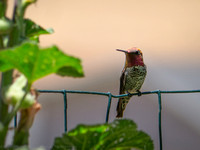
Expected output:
(15, 121)
(65, 109)
(159, 118)
(108, 107)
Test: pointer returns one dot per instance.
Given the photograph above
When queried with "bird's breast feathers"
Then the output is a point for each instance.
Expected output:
(134, 78)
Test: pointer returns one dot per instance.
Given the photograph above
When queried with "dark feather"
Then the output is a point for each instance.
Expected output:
(121, 91)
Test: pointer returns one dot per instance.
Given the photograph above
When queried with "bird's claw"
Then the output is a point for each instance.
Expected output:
(139, 93)
(129, 94)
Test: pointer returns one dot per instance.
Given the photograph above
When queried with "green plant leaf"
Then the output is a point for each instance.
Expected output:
(120, 135)
(36, 63)
(33, 31)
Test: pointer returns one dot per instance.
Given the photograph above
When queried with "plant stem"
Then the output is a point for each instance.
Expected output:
(15, 37)
(1, 42)
(6, 79)
(3, 7)
(3, 133)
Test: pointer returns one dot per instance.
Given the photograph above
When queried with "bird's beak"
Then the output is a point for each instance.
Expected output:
(122, 50)
(127, 51)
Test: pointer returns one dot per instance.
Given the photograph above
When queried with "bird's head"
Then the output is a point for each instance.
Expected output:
(131, 51)
(134, 57)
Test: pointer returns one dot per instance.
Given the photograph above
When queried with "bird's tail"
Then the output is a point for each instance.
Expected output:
(122, 102)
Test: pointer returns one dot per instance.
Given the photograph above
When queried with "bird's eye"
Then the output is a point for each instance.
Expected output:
(138, 52)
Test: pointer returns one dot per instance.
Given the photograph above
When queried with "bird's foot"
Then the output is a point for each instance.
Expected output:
(139, 93)
(129, 94)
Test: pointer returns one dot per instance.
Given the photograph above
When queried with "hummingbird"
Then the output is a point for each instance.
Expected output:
(132, 77)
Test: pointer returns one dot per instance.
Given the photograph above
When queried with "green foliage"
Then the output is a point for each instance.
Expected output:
(120, 135)
(36, 63)
(33, 31)
(19, 49)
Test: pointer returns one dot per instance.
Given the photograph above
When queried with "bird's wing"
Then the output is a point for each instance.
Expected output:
(122, 83)
(120, 105)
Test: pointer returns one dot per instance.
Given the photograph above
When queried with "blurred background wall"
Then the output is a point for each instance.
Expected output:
(168, 32)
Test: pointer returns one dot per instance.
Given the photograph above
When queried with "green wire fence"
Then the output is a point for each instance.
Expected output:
(110, 96)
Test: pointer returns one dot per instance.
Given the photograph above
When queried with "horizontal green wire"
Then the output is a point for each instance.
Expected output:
(116, 96)
(109, 95)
